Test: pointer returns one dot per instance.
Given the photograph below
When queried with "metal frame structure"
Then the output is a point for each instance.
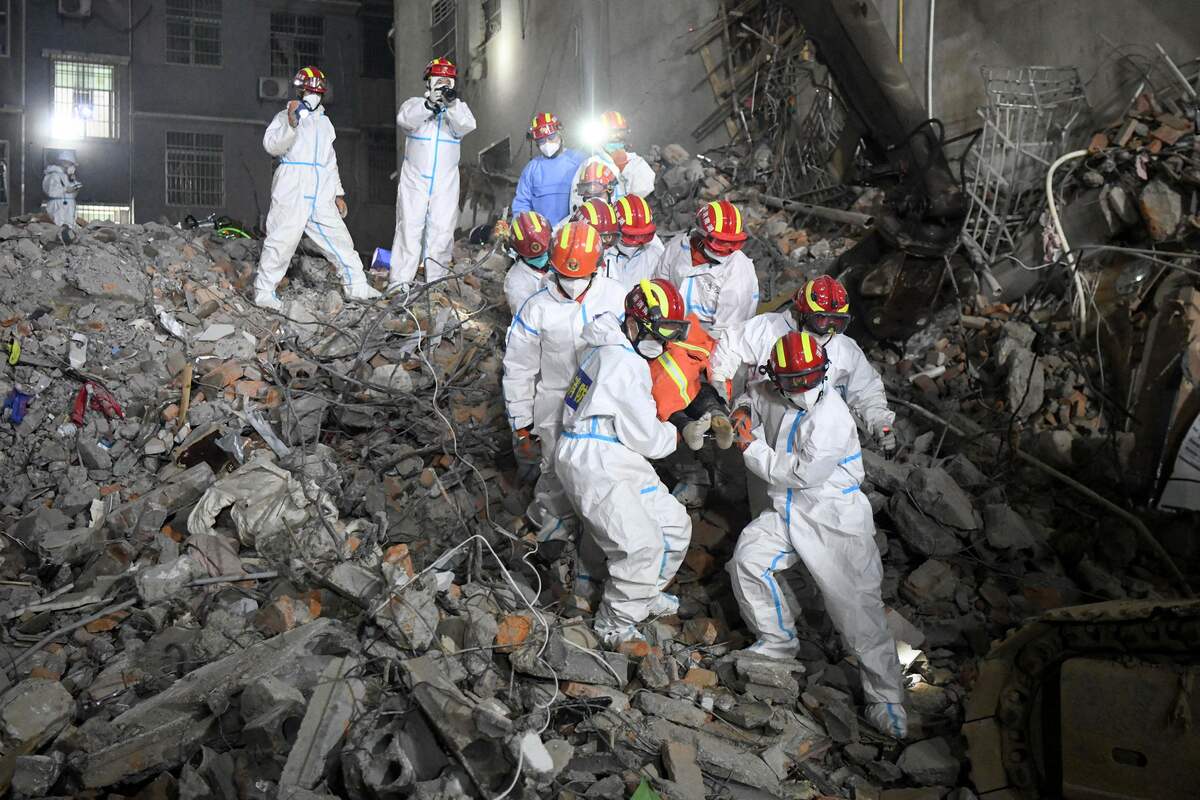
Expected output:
(1027, 121)
(85, 96)
(193, 32)
(297, 40)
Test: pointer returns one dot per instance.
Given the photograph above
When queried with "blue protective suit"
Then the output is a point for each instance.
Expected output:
(545, 185)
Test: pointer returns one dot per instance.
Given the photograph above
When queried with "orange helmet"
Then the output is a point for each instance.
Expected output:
(309, 80)
(720, 223)
(614, 124)
(576, 250)
(657, 310)
(531, 235)
(441, 68)
(636, 220)
(797, 362)
(599, 215)
(544, 125)
(597, 180)
(822, 305)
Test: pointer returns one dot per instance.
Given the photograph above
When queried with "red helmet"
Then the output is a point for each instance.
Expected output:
(615, 125)
(544, 125)
(797, 363)
(599, 215)
(309, 80)
(440, 68)
(531, 234)
(597, 180)
(636, 220)
(822, 305)
(657, 308)
(720, 223)
(576, 250)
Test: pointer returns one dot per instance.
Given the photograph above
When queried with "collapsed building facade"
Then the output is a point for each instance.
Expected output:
(259, 555)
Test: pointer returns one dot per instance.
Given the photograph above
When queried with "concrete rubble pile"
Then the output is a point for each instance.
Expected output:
(282, 556)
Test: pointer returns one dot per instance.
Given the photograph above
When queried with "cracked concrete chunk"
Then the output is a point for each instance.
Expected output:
(35, 710)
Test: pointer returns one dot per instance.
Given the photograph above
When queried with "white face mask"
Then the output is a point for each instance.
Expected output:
(549, 148)
(312, 101)
(627, 249)
(443, 83)
(649, 348)
(806, 400)
(713, 257)
(574, 286)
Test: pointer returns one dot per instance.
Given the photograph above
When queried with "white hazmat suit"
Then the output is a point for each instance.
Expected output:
(541, 355)
(61, 190)
(813, 464)
(520, 282)
(629, 266)
(618, 190)
(850, 373)
(610, 430)
(427, 192)
(721, 295)
(303, 191)
(637, 177)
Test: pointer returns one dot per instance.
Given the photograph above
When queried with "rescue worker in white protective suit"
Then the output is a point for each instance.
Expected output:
(540, 357)
(427, 192)
(529, 237)
(595, 180)
(639, 249)
(799, 437)
(601, 216)
(635, 174)
(611, 430)
(306, 195)
(716, 279)
(61, 189)
(821, 307)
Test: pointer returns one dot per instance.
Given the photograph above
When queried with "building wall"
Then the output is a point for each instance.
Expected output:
(156, 97)
(574, 57)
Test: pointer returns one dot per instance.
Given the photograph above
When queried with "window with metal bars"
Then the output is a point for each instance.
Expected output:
(3, 172)
(4, 18)
(297, 40)
(381, 164)
(193, 29)
(195, 169)
(85, 100)
(378, 61)
(97, 212)
(445, 29)
(491, 18)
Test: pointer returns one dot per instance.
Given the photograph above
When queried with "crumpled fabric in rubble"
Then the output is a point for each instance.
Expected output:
(264, 499)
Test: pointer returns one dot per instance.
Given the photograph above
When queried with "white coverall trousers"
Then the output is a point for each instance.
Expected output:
(427, 192)
(845, 568)
(622, 500)
(60, 190)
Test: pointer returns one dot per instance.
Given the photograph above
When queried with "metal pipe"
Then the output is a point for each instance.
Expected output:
(820, 212)
(929, 60)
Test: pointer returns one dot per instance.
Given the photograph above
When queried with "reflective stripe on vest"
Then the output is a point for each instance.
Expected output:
(676, 374)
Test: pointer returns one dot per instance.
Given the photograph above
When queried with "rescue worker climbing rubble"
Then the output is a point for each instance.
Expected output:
(427, 192)
(547, 180)
(639, 249)
(306, 195)
(821, 307)
(799, 437)
(716, 279)
(541, 355)
(61, 189)
(529, 237)
(637, 533)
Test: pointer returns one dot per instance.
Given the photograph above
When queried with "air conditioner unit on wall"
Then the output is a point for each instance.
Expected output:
(75, 8)
(270, 88)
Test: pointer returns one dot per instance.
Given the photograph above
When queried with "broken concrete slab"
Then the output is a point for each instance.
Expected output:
(679, 759)
(146, 515)
(930, 762)
(34, 710)
(335, 702)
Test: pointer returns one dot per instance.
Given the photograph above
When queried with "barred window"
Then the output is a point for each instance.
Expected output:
(4, 25)
(297, 40)
(491, 18)
(195, 169)
(85, 100)
(97, 212)
(194, 32)
(445, 29)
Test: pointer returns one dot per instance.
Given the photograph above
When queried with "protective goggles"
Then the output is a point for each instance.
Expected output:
(826, 321)
(594, 189)
(665, 330)
(796, 382)
(722, 247)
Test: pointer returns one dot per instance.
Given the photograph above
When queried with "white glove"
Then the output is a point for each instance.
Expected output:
(693, 432)
(722, 431)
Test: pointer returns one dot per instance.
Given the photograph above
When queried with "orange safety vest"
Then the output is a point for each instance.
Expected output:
(675, 375)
